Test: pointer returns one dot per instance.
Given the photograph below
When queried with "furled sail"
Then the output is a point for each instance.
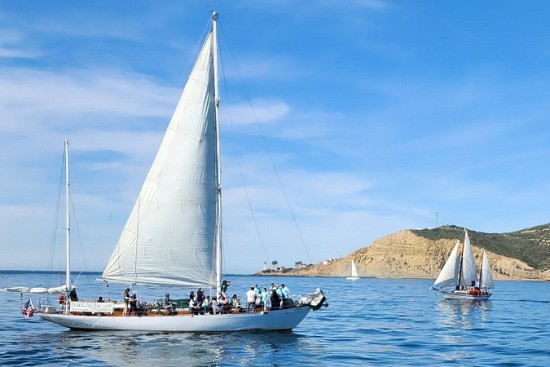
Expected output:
(40, 290)
(449, 273)
(169, 237)
(486, 275)
(469, 270)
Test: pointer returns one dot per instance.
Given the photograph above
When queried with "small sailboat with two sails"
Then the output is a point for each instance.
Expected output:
(459, 278)
(354, 275)
(173, 234)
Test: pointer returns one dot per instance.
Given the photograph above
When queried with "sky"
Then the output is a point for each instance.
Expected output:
(342, 121)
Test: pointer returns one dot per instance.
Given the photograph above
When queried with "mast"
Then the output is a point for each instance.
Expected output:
(218, 235)
(67, 223)
(481, 270)
(459, 279)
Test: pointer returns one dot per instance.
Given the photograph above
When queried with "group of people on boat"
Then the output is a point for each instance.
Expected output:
(277, 297)
(257, 300)
(473, 289)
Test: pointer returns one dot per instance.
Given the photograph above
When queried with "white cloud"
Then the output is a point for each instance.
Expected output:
(261, 111)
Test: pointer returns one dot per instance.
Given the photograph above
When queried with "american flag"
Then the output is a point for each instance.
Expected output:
(28, 309)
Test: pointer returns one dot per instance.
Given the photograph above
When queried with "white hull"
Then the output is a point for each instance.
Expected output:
(352, 278)
(464, 295)
(282, 320)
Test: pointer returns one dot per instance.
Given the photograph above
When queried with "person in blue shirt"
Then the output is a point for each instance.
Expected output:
(266, 300)
(285, 291)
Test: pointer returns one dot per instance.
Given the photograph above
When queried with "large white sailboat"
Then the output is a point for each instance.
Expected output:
(458, 278)
(173, 234)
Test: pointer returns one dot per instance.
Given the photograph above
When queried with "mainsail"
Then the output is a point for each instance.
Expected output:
(469, 271)
(449, 273)
(170, 236)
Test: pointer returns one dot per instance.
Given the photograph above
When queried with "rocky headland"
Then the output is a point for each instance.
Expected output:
(521, 255)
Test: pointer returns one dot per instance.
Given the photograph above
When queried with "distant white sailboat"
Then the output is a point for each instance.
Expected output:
(173, 234)
(458, 278)
(354, 275)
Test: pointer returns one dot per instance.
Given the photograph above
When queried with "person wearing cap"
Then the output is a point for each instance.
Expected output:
(72, 294)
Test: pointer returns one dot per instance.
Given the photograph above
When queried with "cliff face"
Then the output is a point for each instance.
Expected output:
(406, 254)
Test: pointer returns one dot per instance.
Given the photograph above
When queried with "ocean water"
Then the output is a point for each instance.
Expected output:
(369, 322)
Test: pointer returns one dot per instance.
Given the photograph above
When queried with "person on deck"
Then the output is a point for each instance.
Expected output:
(250, 299)
(206, 306)
(200, 296)
(126, 301)
(285, 291)
(236, 302)
(275, 298)
(215, 306)
(224, 286)
(72, 294)
(132, 304)
(266, 300)
(167, 303)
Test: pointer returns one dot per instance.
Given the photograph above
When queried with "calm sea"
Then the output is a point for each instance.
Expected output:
(369, 322)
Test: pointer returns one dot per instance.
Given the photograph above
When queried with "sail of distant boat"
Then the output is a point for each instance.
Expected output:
(354, 275)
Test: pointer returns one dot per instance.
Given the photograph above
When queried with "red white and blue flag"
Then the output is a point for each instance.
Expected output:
(28, 309)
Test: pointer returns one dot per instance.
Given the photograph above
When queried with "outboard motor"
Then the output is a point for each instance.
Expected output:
(315, 300)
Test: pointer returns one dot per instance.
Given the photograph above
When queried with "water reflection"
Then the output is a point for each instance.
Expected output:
(140, 349)
(463, 313)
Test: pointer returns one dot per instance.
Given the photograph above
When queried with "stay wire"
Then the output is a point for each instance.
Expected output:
(264, 140)
(241, 169)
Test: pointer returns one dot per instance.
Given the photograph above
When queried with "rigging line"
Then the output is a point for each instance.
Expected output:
(241, 169)
(253, 216)
(85, 258)
(137, 236)
(196, 48)
(57, 211)
(264, 140)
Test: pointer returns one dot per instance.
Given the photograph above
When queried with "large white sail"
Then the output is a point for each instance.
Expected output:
(486, 276)
(469, 270)
(170, 235)
(449, 273)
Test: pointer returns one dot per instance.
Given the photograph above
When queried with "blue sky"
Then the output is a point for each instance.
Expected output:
(378, 115)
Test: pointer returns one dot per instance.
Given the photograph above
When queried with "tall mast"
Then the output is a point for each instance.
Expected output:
(481, 269)
(461, 262)
(67, 222)
(218, 235)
